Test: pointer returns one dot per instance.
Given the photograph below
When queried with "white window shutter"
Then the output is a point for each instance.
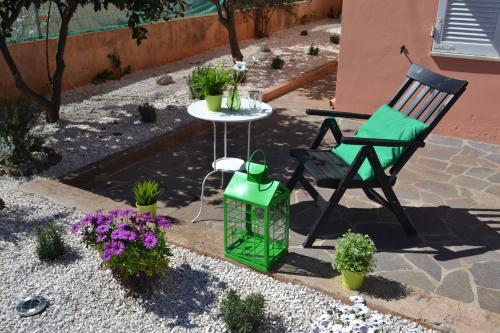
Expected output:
(468, 27)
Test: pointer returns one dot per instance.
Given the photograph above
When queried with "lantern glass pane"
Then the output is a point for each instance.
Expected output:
(245, 230)
(255, 235)
(278, 226)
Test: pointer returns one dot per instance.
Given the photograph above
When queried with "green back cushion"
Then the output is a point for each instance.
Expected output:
(385, 123)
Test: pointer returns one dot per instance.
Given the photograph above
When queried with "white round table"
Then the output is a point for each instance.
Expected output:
(225, 116)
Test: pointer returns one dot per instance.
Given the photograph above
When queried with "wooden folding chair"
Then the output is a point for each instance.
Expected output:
(424, 96)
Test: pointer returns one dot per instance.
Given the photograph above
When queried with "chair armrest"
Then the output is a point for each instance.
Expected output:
(381, 142)
(325, 113)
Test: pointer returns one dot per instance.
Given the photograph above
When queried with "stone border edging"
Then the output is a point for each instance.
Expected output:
(282, 89)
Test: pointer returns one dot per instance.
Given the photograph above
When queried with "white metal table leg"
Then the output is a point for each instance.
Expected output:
(201, 197)
(208, 175)
(248, 142)
(225, 154)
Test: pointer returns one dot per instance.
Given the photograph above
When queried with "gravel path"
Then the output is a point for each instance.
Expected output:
(84, 297)
(99, 120)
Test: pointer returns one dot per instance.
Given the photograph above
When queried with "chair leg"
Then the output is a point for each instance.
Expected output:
(392, 200)
(336, 196)
(334, 200)
(309, 188)
(374, 196)
(292, 182)
(398, 210)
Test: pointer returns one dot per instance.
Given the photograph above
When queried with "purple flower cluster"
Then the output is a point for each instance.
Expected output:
(118, 229)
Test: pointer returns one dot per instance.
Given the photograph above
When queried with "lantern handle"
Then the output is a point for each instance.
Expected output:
(260, 151)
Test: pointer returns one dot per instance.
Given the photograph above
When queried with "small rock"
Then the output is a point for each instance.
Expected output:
(117, 134)
(304, 33)
(40, 157)
(165, 80)
(265, 48)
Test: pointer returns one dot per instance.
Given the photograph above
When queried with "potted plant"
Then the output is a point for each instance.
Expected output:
(146, 195)
(212, 83)
(133, 245)
(354, 259)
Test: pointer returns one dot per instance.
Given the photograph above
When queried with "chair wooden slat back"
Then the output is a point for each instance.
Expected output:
(425, 96)
(427, 86)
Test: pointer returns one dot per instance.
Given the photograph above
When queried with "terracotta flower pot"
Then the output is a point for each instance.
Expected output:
(214, 103)
(352, 280)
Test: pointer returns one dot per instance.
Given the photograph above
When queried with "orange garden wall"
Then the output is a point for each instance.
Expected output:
(167, 41)
(371, 67)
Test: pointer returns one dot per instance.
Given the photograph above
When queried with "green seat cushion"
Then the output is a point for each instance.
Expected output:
(385, 123)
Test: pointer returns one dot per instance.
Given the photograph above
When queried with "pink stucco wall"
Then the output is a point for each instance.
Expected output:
(371, 67)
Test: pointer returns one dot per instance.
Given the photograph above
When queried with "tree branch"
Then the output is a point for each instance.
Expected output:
(18, 78)
(220, 12)
(7, 24)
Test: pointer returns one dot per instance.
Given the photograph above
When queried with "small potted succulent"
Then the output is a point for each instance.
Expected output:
(212, 83)
(354, 259)
(146, 195)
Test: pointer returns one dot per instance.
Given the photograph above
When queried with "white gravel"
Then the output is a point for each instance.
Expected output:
(85, 298)
(99, 120)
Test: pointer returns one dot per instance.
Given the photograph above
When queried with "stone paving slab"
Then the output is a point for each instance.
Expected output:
(450, 190)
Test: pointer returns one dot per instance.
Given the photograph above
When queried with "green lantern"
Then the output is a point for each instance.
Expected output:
(256, 217)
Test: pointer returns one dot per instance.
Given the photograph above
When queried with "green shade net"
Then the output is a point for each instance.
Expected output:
(32, 23)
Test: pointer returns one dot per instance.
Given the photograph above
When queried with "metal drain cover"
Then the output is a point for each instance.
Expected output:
(31, 306)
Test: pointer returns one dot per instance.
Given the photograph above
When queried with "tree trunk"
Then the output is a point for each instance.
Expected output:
(258, 22)
(226, 18)
(233, 41)
(18, 78)
(52, 114)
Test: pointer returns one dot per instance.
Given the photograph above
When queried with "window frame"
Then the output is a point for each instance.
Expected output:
(461, 50)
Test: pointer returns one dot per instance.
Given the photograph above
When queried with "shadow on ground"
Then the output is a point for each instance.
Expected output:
(441, 230)
(11, 228)
(182, 293)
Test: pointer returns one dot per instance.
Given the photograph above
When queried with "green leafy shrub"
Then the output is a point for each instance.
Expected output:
(335, 38)
(277, 63)
(242, 315)
(148, 113)
(117, 73)
(192, 78)
(314, 51)
(17, 137)
(49, 242)
(354, 253)
(147, 192)
(213, 81)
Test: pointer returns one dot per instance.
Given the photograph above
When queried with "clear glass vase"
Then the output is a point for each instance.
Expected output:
(233, 102)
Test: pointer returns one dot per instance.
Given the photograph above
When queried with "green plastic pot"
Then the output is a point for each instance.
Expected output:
(214, 103)
(352, 280)
(151, 209)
